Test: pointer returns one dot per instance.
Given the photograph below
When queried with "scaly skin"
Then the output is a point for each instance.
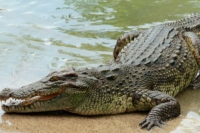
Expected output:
(149, 68)
(123, 41)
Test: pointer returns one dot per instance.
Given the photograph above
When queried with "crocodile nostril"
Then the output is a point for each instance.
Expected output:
(5, 93)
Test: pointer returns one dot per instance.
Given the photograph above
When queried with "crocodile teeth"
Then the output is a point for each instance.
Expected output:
(31, 100)
(12, 101)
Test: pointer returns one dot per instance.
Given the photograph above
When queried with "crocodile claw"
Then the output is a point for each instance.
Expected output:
(150, 123)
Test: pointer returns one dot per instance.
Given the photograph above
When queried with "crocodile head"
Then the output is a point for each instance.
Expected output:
(61, 90)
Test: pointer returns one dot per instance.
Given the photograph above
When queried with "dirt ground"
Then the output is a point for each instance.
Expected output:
(62, 122)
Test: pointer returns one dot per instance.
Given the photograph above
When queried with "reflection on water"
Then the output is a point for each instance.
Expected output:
(39, 36)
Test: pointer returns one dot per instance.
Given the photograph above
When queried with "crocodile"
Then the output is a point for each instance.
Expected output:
(149, 69)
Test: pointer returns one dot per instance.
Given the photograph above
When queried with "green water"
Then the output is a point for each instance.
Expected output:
(39, 36)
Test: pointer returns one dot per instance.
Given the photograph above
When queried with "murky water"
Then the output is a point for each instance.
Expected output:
(39, 36)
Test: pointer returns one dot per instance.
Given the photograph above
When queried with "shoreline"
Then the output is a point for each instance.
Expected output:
(67, 122)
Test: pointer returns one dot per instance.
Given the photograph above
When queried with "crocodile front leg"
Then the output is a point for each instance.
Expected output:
(164, 107)
(123, 41)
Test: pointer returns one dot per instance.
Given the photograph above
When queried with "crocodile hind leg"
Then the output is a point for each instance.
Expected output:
(193, 42)
(123, 41)
(163, 107)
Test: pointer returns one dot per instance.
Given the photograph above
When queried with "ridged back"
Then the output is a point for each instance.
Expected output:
(149, 46)
(190, 23)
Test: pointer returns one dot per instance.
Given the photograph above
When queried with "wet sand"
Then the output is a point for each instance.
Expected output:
(64, 122)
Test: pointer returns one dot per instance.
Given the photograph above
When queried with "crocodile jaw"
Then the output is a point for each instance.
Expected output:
(33, 102)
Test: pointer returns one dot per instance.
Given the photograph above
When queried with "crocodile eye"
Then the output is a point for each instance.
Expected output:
(54, 78)
(71, 74)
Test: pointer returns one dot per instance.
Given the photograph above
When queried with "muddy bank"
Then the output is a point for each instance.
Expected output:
(68, 123)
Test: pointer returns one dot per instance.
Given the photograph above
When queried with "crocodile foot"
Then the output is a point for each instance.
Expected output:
(167, 107)
(149, 123)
